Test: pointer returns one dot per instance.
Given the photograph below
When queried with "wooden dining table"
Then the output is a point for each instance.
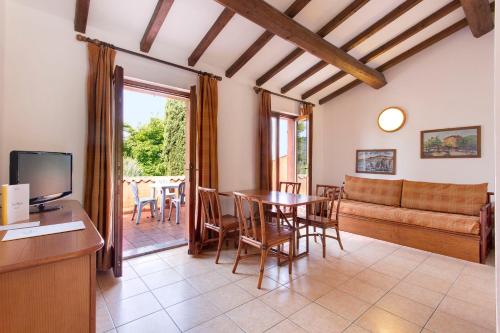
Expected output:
(287, 200)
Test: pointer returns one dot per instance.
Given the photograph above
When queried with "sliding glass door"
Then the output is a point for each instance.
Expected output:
(290, 150)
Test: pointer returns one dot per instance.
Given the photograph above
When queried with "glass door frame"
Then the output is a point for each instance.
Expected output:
(277, 115)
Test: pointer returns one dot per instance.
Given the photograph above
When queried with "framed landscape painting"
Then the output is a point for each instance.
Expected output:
(379, 161)
(460, 142)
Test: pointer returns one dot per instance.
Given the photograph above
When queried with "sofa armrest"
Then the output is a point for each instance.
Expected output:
(486, 226)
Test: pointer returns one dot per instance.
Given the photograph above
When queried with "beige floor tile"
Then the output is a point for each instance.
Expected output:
(343, 304)
(250, 285)
(377, 320)
(280, 274)
(474, 296)
(175, 293)
(445, 272)
(177, 259)
(362, 290)
(161, 278)
(411, 254)
(255, 316)
(107, 278)
(229, 297)
(364, 258)
(207, 282)
(428, 281)
(377, 279)
(158, 322)
(406, 308)
(309, 287)
(221, 324)
(477, 315)
(133, 308)
(226, 271)
(327, 275)
(480, 271)
(394, 266)
(142, 259)
(104, 322)
(314, 318)
(355, 329)
(123, 289)
(465, 281)
(194, 268)
(442, 322)
(286, 326)
(285, 301)
(344, 266)
(150, 267)
(193, 312)
(418, 294)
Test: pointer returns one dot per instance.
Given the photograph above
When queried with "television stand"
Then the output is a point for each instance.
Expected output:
(41, 208)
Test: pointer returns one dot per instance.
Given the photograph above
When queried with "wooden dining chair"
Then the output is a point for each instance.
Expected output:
(222, 225)
(324, 215)
(256, 232)
(288, 187)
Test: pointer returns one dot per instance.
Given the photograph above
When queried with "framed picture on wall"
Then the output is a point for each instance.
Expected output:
(459, 142)
(378, 161)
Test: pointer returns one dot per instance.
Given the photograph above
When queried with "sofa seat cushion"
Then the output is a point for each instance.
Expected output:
(443, 221)
(445, 198)
(378, 191)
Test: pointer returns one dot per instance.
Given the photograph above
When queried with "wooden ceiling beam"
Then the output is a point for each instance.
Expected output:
(364, 35)
(478, 15)
(219, 24)
(403, 56)
(81, 15)
(159, 15)
(266, 36)
(325, 30)
(426, 22)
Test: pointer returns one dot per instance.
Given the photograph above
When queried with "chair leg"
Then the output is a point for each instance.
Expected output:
(134, 212)
(219, 246)
(323, 241)
(315, 240)
(177, 212)
(278, 248)
(290, 255)
(238, 253)
(338, 238)
(307, 238)
(263, 256)
(139, 213)
(170, 211)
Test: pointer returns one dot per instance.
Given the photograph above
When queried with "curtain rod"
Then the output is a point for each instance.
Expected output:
(82, 38)
(258, 89)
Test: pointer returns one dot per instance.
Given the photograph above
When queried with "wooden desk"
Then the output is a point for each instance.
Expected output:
(284, 199)
(47, 283)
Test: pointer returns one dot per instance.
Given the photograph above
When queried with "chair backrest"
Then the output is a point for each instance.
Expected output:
(253, 224)
(328, 191)
(182, 191)
(339, 200)
(322, 190)
(290, 187)
(210, 205)
(135, 192)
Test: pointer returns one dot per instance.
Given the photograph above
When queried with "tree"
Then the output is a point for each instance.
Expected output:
(145, 145)
(174, 149)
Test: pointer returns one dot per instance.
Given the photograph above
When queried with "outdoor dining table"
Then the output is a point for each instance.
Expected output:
(164, 189)
(285, 199)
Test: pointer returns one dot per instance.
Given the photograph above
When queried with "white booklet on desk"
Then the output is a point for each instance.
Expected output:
(43, 230)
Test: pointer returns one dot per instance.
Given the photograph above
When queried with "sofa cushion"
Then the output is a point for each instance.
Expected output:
(445, 198)
(443, 221)
(378, 191)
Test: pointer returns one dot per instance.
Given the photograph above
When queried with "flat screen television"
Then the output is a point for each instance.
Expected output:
(49, 175)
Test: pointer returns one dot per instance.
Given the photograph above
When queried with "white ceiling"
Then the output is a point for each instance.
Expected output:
(189, 20)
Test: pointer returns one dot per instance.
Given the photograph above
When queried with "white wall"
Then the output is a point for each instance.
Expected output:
(45, 100)
(448, 85)
(2, 50)
(497, 159)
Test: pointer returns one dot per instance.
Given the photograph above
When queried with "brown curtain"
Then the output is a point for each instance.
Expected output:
(265, 163)
(208, 171)
(306, 109)
(98, 172)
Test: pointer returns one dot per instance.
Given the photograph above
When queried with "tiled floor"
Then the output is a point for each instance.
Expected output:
(372, 286)
(149, 234)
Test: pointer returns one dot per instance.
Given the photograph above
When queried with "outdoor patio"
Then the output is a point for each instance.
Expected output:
(149, 235)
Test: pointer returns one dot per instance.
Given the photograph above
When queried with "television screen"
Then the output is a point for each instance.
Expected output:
(48, 174)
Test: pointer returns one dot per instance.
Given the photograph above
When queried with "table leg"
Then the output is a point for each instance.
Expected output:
(163, 198)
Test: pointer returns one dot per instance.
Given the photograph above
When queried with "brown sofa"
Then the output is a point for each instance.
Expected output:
(450, 219)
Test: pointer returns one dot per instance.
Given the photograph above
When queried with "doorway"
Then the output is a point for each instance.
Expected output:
(154, 158)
